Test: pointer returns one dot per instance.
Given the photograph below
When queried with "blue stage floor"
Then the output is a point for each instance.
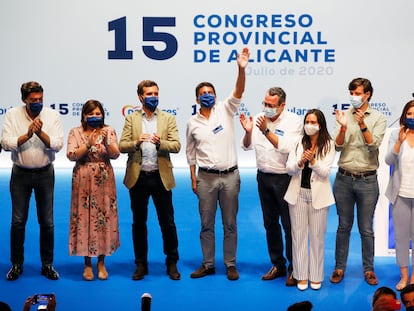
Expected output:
(215, 292)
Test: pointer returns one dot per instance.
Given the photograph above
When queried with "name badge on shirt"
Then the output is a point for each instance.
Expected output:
(279, 132)
(218, 129)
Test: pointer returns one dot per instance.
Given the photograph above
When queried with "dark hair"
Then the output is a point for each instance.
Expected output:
(145, 83)
(384, 290)
(89, 106)
(404, 112)
(279, 92)
(301, 306)
(366, 84)
(30, 87)
(324, 137)
(406, 290)
(203, 84)
(4, 306)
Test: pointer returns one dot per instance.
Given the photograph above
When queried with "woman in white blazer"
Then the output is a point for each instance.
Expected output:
(400, 190)
(309, 196)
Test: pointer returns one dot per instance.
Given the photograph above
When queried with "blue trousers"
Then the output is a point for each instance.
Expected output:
(362, 192)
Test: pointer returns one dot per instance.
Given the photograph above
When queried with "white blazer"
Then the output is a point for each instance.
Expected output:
(322, 195)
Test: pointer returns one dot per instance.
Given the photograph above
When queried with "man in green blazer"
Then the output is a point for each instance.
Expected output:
(149, 136)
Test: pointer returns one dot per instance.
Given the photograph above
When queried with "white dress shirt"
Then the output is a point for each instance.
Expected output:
(288, 126)
(148, 149)
(33, 153)
(211, 142)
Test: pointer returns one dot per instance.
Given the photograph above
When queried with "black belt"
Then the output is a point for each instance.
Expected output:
(213, 171)
(149, 173)
(33, 170)
(356, 175)
(272, 174)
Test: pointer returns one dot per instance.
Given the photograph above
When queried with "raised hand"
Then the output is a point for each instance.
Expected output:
(341, 118)
(243, 58)
(246, 123)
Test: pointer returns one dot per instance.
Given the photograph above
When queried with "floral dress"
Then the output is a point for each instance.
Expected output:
(94, 228)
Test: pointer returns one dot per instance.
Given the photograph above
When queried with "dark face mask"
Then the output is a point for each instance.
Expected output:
(36, 108)
(207, 100)
(409, 123)
(94, 121)
(151, 103)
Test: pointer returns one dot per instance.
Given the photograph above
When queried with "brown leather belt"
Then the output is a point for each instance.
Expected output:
(356, 175)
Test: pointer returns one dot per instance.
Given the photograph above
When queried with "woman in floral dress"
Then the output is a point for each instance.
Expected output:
(94, 230)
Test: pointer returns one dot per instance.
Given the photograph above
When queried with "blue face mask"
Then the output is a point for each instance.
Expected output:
(36, 108)
(151, 103)
(94, 121)
(409, 122)
(207, 100)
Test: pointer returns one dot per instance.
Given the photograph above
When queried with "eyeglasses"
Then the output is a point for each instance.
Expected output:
(270, 105)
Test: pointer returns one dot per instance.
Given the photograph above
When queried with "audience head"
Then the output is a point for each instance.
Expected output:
(407, 297)
(301, 306)
(385, 299)
(4, 306)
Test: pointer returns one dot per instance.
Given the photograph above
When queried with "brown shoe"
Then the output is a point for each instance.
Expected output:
(102, 273)
(202, 272)
(337, 276)
(274, 273)
(371, 278)
(88, 273)
(140, 272)
(290, 280)
(172, 271)
(232, 273)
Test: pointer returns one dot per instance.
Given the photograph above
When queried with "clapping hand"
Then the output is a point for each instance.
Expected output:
(246, 123)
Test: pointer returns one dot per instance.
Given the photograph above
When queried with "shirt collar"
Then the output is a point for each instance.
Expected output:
(368, 111)
(144, 114)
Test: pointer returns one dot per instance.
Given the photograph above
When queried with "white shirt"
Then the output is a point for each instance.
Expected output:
(210, 142)
(148, 149)
(407, 176)
(33, 153)
(288, 126)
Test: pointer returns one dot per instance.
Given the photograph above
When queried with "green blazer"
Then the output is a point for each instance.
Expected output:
(169, 143)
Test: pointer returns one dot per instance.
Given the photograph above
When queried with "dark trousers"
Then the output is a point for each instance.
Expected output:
(272, 189)
(150, 184)
(22, 183)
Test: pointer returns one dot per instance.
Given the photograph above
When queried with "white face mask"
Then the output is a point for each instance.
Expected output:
(356, 101)
(270, 112)
(311, 129)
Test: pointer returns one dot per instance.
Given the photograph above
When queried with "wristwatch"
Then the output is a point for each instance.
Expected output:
(265, 132)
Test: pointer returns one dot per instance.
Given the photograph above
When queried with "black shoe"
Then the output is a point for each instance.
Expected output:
(202, 271)
(140, 272)
(14, 273)
(172, 271)
(232, 273)
(49, 272)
